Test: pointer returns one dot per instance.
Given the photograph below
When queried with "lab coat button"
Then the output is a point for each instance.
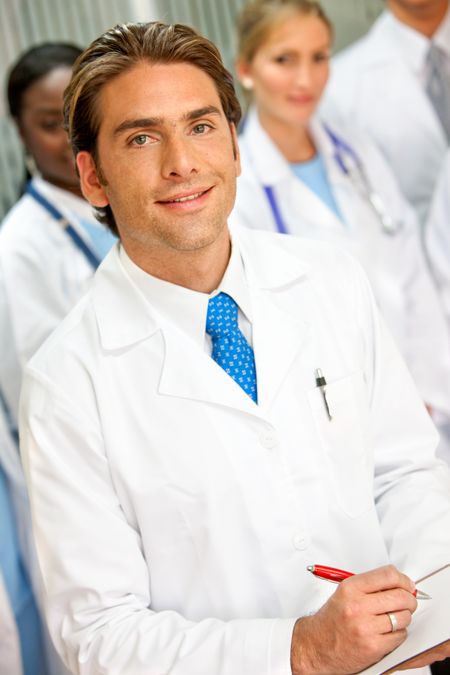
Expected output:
(268, 440)
(300, 541)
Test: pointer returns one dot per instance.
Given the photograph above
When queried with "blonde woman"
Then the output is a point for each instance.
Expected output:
(302, 176)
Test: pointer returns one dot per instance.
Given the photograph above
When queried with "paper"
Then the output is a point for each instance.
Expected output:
(430, 623)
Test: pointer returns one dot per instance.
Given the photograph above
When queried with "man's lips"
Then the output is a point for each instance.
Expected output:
(184, 197)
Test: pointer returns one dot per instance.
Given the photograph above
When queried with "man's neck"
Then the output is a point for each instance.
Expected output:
(423, 19)
(200, 270)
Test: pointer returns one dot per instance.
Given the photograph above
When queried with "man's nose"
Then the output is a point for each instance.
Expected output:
(179, 158)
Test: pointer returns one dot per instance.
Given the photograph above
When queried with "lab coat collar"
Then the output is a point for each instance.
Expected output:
(125, 317)
(390, 38)
(270, 166)
(65, 201)
(273, 169)
(278, 335)
(269, 163)
(123, 314)
(268, 266)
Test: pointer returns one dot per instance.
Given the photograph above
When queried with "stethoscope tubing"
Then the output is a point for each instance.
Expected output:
(360, 178)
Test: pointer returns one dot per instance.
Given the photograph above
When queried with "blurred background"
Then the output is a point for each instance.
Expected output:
(24, 23)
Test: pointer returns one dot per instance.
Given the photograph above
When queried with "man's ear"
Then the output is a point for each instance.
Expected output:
(236, 152)
(91, 187)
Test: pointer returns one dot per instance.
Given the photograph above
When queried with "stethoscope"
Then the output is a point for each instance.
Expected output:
(80, 244)
(355, 171)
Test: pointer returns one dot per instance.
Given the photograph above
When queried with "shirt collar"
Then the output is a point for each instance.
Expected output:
(411, 44)
(414, 46)
(441, 38)
(183, 306)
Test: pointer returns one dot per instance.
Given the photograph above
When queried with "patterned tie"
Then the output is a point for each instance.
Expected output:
(438, 84)
(230, 349)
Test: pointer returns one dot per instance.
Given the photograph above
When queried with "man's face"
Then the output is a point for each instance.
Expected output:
(167, 158)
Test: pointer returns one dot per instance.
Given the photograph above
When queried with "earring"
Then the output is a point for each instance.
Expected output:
(30, 165)
(247, 82)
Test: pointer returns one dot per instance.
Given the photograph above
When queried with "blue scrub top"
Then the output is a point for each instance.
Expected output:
(18, 588)
(314, 174)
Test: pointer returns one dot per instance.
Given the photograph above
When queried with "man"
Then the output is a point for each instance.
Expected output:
(178, 498)
(395, 84)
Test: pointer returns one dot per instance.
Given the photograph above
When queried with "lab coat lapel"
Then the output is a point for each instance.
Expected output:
(389, 74)
(293, 196)
(278, 333)
(191, 373)
(278, 337)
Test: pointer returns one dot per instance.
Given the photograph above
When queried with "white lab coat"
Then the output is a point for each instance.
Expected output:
(394, 263)
(372, 87)
(437, 236)
(173, 517)
(42, 276)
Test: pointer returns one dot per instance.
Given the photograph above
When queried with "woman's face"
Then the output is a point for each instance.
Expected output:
(40, 126)
(290, 70)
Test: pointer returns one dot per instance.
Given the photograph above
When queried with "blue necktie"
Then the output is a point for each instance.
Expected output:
(230, 349)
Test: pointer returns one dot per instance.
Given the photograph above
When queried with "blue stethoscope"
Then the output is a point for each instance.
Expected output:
(80, 244)
(355, 171)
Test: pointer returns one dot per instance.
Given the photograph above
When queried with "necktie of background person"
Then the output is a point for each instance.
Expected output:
(438, 84)
(230, 349)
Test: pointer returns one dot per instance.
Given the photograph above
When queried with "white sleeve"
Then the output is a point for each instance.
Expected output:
(96, 579)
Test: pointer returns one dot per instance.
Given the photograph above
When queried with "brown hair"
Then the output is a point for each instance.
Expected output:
(118, 50)
(259, 17)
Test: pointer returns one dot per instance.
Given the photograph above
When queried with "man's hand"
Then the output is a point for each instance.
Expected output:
(353, 630)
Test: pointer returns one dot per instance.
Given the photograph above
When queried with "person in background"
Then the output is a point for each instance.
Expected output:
(394, 84)
(437, 236)
(184, 463)
(50, 244)
(301, 175)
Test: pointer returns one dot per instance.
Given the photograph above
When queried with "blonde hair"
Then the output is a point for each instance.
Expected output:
(259, 17)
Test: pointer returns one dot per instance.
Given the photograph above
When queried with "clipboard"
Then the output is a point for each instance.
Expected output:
(430, 624)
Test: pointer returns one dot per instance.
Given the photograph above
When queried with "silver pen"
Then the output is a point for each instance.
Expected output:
(322, 384)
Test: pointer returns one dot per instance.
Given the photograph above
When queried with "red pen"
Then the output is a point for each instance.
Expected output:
(336, 575)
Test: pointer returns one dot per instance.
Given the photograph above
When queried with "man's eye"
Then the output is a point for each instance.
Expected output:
(142, 139)
(201, 128)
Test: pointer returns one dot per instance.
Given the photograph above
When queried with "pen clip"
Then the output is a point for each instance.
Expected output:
(321, 383)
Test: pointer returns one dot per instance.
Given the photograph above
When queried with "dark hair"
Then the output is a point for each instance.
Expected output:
(118, 50)
(34, 64)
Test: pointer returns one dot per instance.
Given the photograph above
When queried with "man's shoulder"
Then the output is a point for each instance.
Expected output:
(282, 256)
(70, 336)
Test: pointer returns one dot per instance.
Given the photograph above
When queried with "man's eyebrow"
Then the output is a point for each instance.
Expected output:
(149, 122)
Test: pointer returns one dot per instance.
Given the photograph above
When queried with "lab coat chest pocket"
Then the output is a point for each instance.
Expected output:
(343, 441)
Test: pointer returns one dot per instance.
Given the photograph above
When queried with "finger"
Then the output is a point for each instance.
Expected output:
(381, 579)
(399, 621)
(393, 600)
